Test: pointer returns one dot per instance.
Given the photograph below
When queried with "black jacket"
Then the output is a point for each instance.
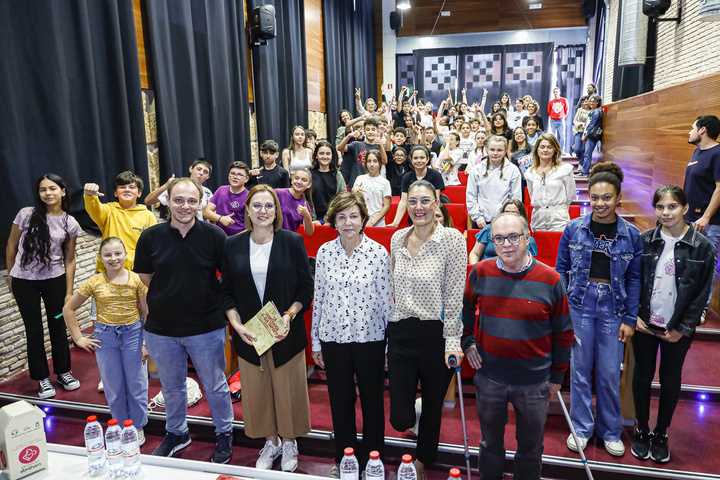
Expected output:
(288, 280)
(695, 260)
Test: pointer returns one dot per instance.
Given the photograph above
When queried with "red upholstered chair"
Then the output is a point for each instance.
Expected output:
(456, 193)
(382, 235)
(459, 215)
(463, 176)
(391, 215)
(547, 245)
(323, 234)
(471, 234)
(574, 211)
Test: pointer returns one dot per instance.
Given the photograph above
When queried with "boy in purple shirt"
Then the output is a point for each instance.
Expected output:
(226, 208)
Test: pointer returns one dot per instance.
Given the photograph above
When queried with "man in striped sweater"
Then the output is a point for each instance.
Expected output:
(522, 349)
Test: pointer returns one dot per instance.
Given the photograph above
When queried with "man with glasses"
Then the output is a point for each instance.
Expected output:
(178, 261)
(523, 347)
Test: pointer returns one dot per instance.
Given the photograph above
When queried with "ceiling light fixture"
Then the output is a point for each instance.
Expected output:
(403, 4)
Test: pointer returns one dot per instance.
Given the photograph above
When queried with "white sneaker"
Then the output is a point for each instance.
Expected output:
(418, 412)
(335, 471)
(101, 389)
(289, 456)
(141, 437)
(268, 454)
(615, 448)
(571, 443)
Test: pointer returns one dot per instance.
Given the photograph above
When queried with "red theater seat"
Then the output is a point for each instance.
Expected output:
(382, 235)
(456, 193)
(463, 178)
(547, 245)
(323, 233)
(391, 215)
(471, 234)
(459, 215)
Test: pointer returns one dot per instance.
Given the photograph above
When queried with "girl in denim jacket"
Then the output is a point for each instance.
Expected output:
(599, 259)
(677, 272)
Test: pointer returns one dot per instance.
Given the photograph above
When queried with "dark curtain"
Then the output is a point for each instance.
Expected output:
(599, 54)
(514, 69)
(70, 99)
(349, 45)
(200, 69)
(570, 63)
(280, 74)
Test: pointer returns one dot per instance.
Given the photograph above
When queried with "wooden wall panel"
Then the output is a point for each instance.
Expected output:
(647, 136)
(146, 79)
(379, 48)
(489, 16)
(251, 95)
(314, 53)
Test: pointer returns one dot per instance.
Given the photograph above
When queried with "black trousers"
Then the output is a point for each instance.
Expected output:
(345, 362)
(416, 351)
(672, 357)
(27, 295)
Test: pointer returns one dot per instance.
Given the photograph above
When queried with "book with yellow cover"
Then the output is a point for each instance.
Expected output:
(265, 326)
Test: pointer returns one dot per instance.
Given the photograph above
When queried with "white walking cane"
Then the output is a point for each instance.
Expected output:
(454, 363)
(572, 429)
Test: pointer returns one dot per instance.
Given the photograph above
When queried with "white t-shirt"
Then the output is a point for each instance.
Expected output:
(374, 190)
(259, 260)
(468, 146)
(207, 195)
(449, 169)
(664, 292)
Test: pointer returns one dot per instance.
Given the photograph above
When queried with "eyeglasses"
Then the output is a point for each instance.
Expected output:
(425, 202)
(513, 237)
(236, 175)
(259, 206)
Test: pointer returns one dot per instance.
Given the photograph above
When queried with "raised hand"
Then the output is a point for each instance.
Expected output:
(93, 190)
(226, 220)
(357, 93)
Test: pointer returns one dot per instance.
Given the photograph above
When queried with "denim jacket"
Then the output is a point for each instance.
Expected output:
(695, 260)
(575, 255)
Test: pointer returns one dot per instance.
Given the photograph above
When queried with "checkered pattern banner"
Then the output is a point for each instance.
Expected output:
(405, 72)
(570, 64)
(440, 72)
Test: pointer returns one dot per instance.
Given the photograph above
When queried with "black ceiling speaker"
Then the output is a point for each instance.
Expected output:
(395, 21)
(655, 8)
(263, 22)
(588, 8)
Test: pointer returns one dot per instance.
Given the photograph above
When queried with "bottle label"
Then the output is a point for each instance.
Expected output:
(131, 453)
(93, 447)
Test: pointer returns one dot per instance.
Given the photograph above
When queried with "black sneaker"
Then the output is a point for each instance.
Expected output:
(641, 444)
(172, 443)
(68, 382)
(223, 448)
(45, 388)
(660, 452)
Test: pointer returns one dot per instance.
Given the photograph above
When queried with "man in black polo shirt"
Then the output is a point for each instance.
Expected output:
(178, 261)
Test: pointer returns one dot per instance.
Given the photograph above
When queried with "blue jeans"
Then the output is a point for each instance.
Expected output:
(597, 344)
(124, 377)
(207, 352)
(712, 233)
(579, 146)
(530, 403)
(557, 128)
(587, 156)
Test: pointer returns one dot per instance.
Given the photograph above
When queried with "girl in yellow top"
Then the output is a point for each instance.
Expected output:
(118, 337)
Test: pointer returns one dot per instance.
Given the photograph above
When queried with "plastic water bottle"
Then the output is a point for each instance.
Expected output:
(94, 444)
(407, 471)
(113, 447)
(349, 467)
(130, 449)
(454, 474)
(374, 470)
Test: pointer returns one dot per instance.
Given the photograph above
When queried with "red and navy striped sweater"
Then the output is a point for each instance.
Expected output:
(525, 331)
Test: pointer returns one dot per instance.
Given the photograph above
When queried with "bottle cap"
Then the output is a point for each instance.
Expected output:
(407, 458)
(455, 472)
(374, 455)
(92, 418)
(112, 422)
(349, 451)
(127, 423)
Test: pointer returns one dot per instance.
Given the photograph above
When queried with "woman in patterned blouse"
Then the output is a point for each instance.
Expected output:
(353, 301)
(428, 273)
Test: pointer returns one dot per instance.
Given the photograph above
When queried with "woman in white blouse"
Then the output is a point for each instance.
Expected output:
(551, 186)
(353, 301)
(428, 273)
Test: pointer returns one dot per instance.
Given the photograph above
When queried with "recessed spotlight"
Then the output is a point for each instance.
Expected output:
(403, 4)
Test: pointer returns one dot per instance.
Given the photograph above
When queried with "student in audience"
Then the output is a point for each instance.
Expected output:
(269, 264)
(327, 181)
(296, 202)
(396, 169)
(354, 161)
(533, 109)
(40, 258)
(200, 170)
(296, 155)
(518, 143)
(428, 270)
(117, 338)
(551, 186)
(226, 208)
(375, 190)
(270, 173)
(491, 183)
(526, 101)
(485, 247)
(677, 269)
(433, 142)
(498, 125)
(346, 124)
(495, 108)
(348, 327)
(479, 153)
(505, 103)
(310, 139)
(594, 120)
(442, 216)
(420, 158)
(581, 117)
(531, 127)
(599, 259)
(451, 159)
(466, 145)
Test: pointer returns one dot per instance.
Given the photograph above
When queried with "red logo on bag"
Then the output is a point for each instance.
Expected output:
(3, 459)
(29, 454)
